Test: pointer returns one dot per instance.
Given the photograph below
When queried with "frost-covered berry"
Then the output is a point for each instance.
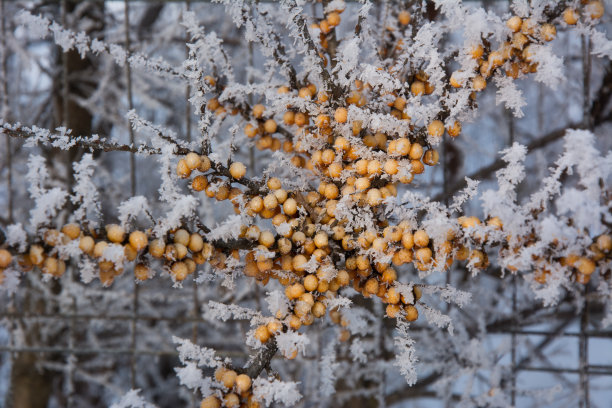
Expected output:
(594, 9)
(514, 23)
(5, 258)
(261, 334)
(258, 111)
(243, 383)
(72, 231)
(141, 272)
(412, 313)
(237, 170)
(210, 402)
(192, 160)
(404, 17)
(270, 126)
(570, 16)
(115, 233)
(341, 115)
(138, 240)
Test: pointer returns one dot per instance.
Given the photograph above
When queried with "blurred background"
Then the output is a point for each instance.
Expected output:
(67, 344)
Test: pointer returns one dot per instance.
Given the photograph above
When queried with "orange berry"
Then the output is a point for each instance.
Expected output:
(341, 115)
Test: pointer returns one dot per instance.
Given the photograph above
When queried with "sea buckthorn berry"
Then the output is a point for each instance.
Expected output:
(270, 201)
(476, 51)
(182, 170)
(392, 311)
(274, 183)
(404, 17)
(243, 383)
(157, 248)
(479, 83)
(266, 238)
(321, 239)
(374, 197)
(361, 167)
(196, 242)
(192, 160)
(333, 18)
(585, 266)
(548, 32)
(391, 166)
(204, 164)
(341, 115)
(210, 402)
(99, 248)
(251, 130)
(179, 271)
(115, 233)
(416, 151)
(228, 378)
(455, 129)
(72, 231)
(370, 141)
(262, 334)
(331, 191)
(374, 167)
(371, 286)
(328, 156)
(237, 170)
(86, 244)
(199, 183)
(138, 240)
(231, 400)
(362, 183)
(431, 157)
(421, 238)
(310, 283)
(604, 243)
(594, 9)
(454, 81)
(258, 111)
(270, 126)
(294, 291)
(141, 272)
(402, 146)
(417, 167)
(301, 119)
(289, 118)
(417, 88)
(412, 313)
(181, 236)
(417, 292)
(570, 16)
(5, 258)
(256, 204)
(514, 23)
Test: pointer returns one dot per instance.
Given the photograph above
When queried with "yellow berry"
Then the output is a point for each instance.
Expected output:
(115, 233)
(5, 258)
(258, 111)
(138, 240)
(72, 231)
(570, 16)
(436, 129)
(243, 383)
(341, 115)
(404, 17)
(210, 402)
(192, 160)
(514, 23)
(237, 170)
